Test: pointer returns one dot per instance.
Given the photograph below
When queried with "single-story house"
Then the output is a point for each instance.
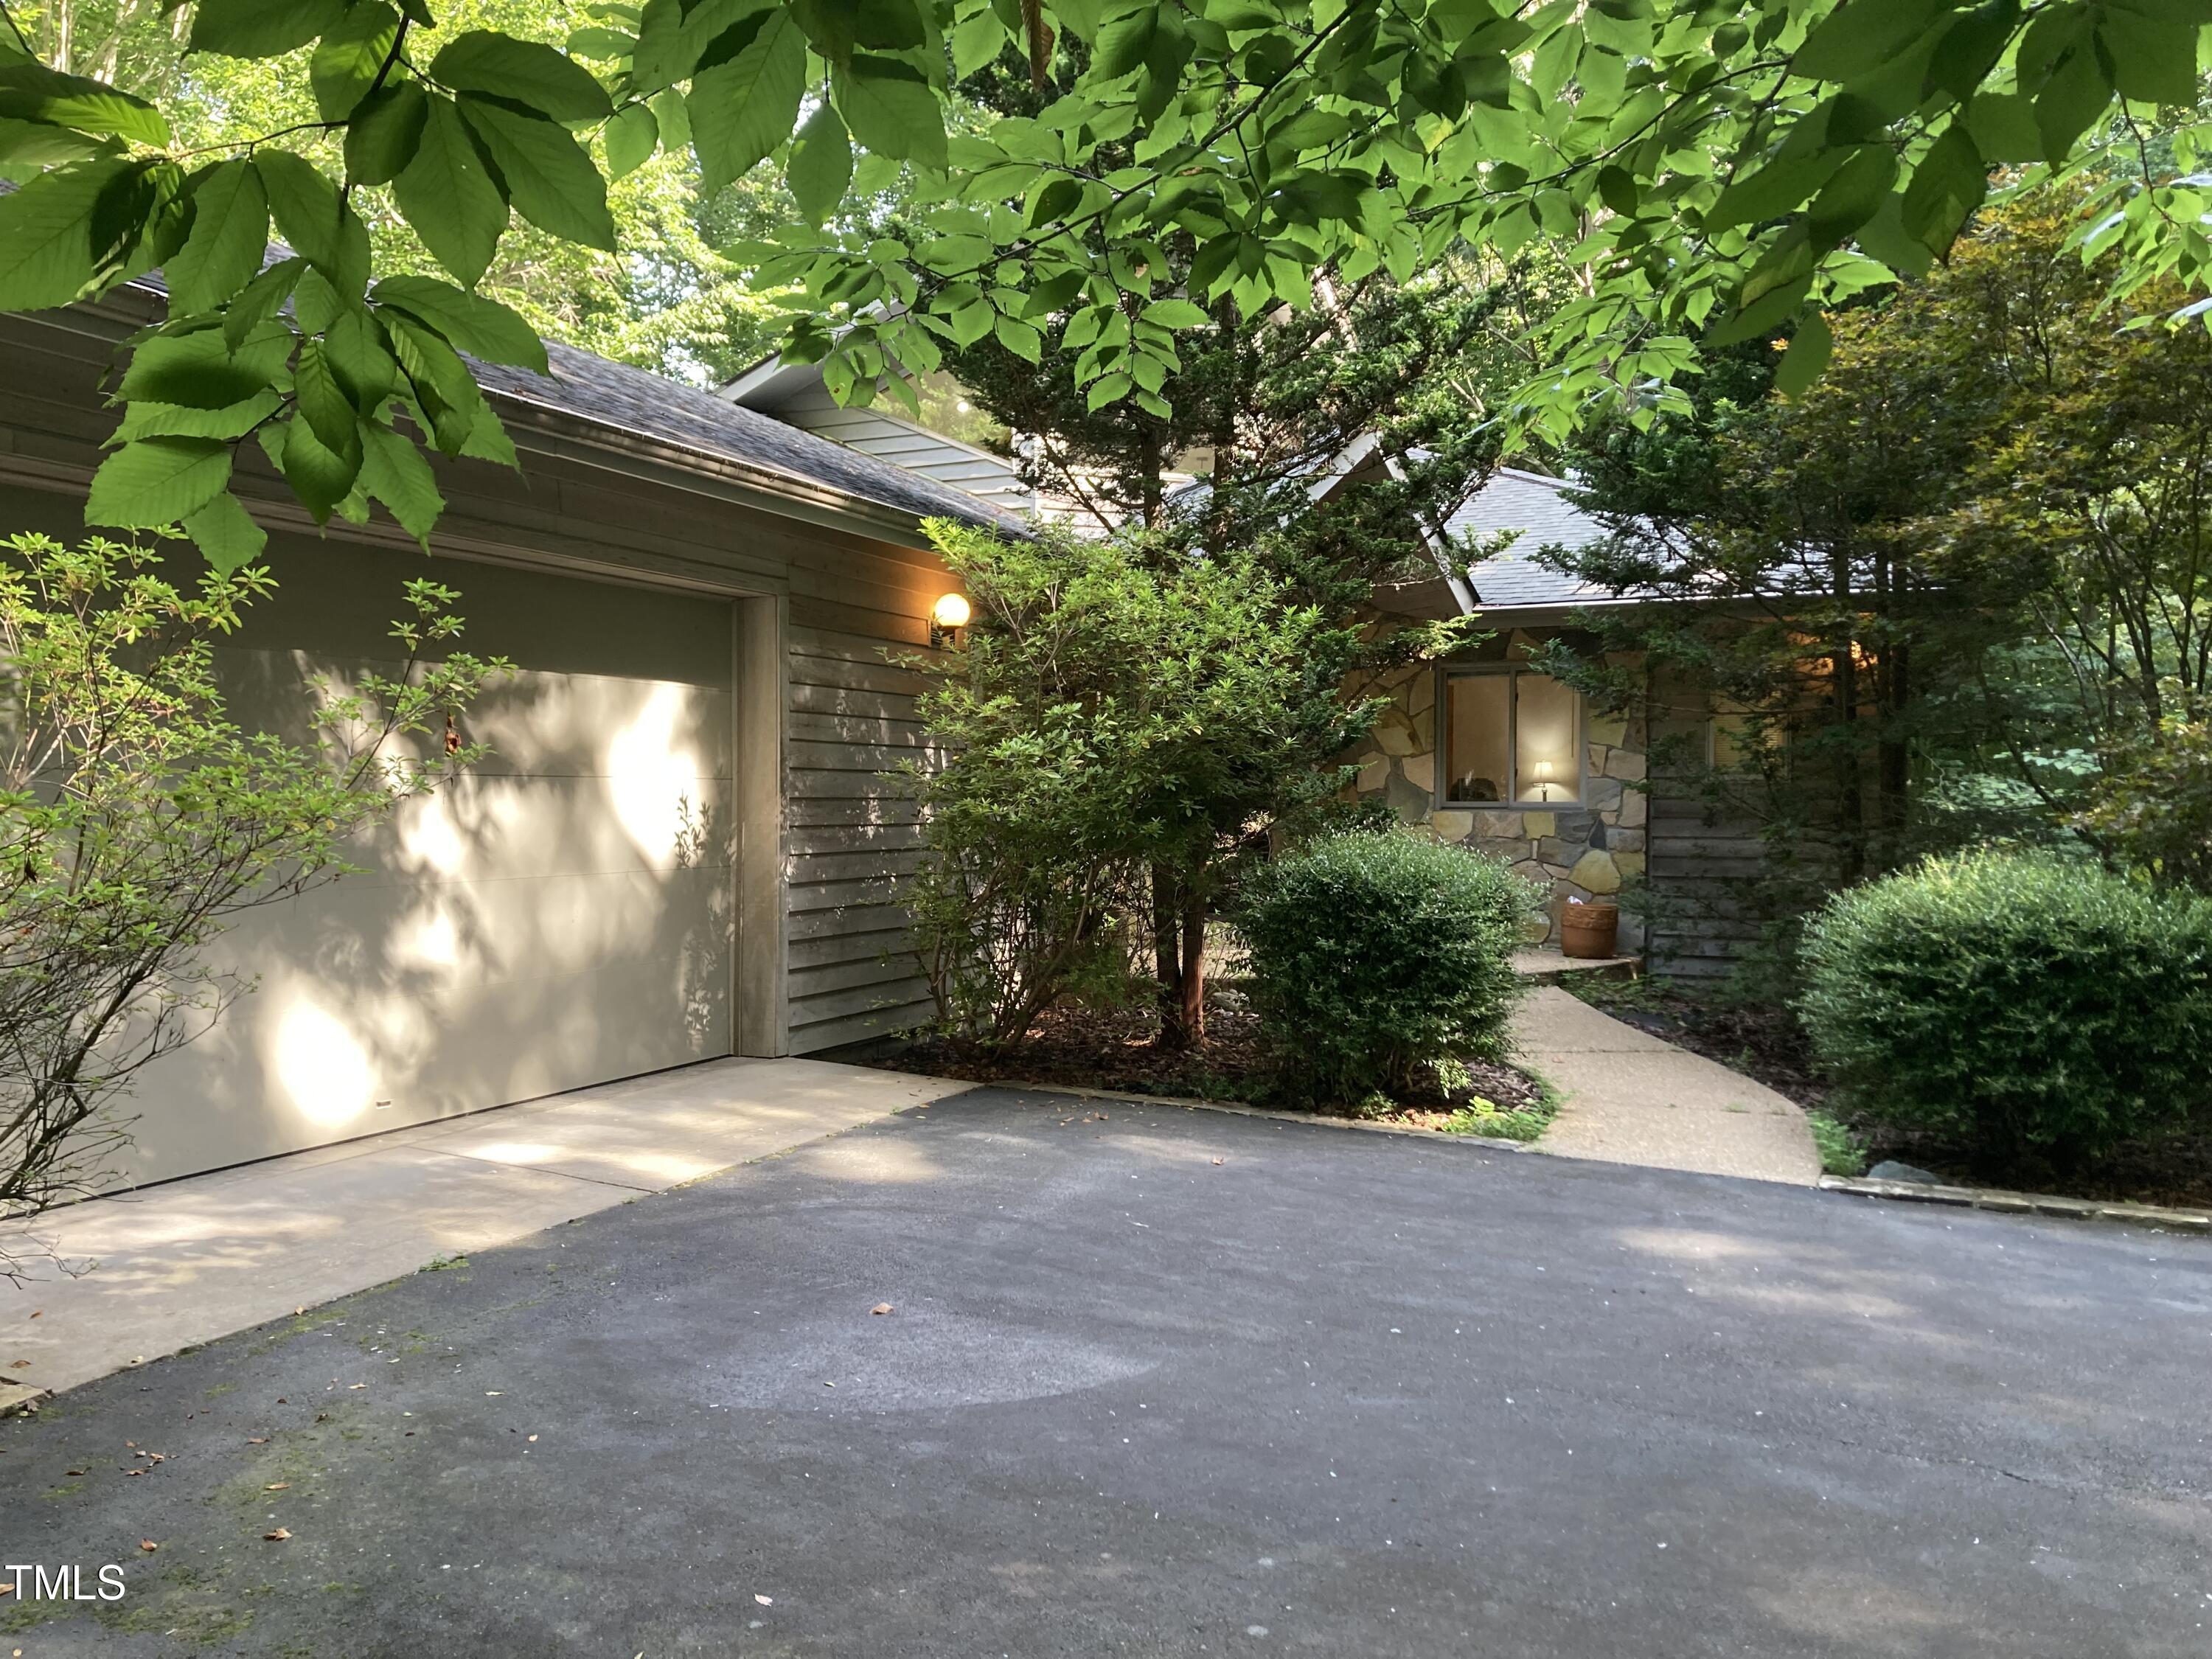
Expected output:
(1481, 749)
(684, 845)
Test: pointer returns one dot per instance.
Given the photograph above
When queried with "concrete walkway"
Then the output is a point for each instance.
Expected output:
(1633, 1098)
(190, 1261)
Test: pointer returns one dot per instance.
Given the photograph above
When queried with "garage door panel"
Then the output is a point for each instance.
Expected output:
(559, 915)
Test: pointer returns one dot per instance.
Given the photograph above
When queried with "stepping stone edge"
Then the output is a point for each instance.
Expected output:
(2007, 1203)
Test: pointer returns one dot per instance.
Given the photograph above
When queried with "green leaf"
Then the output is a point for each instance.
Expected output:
(892, 109)
(1107, 389)
(525, 71)
(1778, 188)
(2154, 59)
(260, 300)
(447, 195)
(1853, 196)
(1124, 42)
(31, 91)
(977, 43)
(41, 144)
(1020, 338)
(322, 403)
(2076, 94)
(345, 65)
(382, 136)
(550, 178)
(481, 327)
(631, 138)
(2003, 127)
(226, 533)
(361, 357)
(741, 110)
(821, 164)
(199, 371)
(452, 404)
(141, 420)
(1802, 365)
(46, 253)
(304, 203)
(157, 480)
(229, 239)
(1175, 313)
(261, 29)
(393, 471)
(1863, 34)
(1946, 187)
(671, 38)
(319, 476)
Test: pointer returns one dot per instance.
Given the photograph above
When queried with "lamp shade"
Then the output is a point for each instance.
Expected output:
(951, 610)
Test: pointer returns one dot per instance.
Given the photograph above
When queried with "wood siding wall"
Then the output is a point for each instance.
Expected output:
(850, 837)
(900, 442)
(1701, 868)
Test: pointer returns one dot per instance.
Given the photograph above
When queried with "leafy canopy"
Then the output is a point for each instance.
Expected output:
(1720, 169)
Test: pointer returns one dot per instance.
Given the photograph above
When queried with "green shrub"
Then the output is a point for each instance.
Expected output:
(2021, 1002)
(1371, 954)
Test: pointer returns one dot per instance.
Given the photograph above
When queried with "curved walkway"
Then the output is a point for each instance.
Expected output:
(1633, 1098)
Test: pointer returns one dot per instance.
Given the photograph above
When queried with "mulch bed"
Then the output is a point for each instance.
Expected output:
(1116, 1049)
(1767, 1043)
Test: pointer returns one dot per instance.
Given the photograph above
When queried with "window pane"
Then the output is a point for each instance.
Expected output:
(1549, 766)
(1475, 728)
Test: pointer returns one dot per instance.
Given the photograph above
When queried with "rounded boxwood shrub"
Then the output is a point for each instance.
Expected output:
(1372, 954)
(2022, 1003)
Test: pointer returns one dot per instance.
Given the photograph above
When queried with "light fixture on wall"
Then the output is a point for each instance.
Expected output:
(946, 618)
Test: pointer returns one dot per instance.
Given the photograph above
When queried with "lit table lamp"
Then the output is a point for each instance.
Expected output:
(1543, 780)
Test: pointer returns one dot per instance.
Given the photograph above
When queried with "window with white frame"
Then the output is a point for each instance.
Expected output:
(1511, 737)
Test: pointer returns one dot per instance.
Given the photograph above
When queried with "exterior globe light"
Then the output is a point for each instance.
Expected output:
(946, 618)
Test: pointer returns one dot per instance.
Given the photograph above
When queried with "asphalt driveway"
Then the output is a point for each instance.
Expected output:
(1159, 1382)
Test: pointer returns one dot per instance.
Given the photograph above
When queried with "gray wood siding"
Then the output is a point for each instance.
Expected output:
(891, 438)
(850, 837)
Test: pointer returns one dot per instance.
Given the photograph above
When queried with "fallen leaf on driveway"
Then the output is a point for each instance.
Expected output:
(882, 1307)
(19, 1364)
(352, 1386)
(148, 1544)
(278, 1486)
(533, 1437)
(72, 1471)
(277, 1536)
(765, 1601)
(1216, 1160)
(257, 1439)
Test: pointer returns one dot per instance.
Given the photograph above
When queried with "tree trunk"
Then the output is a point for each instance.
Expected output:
(1168, 957)
(1193, 964)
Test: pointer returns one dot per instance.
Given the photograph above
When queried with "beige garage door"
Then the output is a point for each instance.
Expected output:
(560, 917)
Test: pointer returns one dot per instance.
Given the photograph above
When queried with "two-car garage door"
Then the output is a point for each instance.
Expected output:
(560, 916)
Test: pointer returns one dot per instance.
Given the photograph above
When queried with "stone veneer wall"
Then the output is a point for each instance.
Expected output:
(1585, 851)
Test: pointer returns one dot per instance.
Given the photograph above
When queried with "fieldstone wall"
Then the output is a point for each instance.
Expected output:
(1586, 851)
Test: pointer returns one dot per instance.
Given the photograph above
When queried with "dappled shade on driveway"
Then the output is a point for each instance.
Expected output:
(1162, 1381)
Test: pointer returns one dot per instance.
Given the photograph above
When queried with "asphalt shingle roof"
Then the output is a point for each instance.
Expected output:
(637, 401)
(1536, 506)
